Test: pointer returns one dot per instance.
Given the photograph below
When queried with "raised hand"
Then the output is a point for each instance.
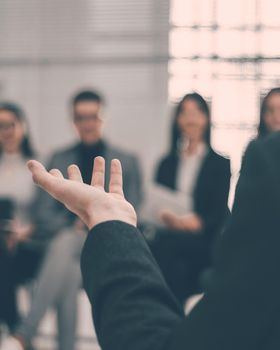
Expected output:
(89, 202)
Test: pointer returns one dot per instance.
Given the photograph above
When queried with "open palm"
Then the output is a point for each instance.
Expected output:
(90, 202)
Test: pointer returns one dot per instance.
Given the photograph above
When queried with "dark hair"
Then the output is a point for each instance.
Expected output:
(87, 95)
(262, 128)
(26, 148)
(176, 134)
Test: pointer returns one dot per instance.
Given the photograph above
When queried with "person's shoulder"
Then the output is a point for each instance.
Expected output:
(272, 141)
(113, 151)
(168, 159)
(269, 144)
(269, 149)
(65, 151)
(58, 157)
(218, 158)
(262, 156)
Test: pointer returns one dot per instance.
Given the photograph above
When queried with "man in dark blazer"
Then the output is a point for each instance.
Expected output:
(133, 308)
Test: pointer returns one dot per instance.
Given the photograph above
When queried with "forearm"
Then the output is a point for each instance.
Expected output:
(132, 306)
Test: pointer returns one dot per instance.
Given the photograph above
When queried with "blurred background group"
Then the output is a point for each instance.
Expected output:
(176, 89)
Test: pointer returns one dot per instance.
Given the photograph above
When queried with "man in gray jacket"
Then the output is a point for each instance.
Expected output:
(60, 278)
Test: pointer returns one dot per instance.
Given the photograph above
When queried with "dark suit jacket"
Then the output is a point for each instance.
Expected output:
(51, 217)
(133, 308)
(211, 190)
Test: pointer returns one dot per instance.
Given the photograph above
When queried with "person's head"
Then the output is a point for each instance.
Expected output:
(191, 121)
(270, 113)
(14, 136)
(87, 115)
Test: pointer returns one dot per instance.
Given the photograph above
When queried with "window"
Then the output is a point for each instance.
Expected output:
(228, 51)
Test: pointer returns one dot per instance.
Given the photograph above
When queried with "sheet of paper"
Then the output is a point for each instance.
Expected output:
(158, 198)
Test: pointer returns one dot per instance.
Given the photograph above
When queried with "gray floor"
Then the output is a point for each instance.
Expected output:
(46, 339)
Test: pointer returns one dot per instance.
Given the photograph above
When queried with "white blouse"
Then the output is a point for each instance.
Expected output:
(188, 171)
(16, 183)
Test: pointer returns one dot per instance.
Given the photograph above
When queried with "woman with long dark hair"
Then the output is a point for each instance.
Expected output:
(192, 167)
(18, 257)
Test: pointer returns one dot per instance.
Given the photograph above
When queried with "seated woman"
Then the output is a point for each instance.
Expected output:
(183, 247)
(19, 258)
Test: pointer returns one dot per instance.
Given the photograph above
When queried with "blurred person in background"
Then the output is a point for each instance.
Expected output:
(182, 248)
(60, 277)
(19, 255)
(270, 113)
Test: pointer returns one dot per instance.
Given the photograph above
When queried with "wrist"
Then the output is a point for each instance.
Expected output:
(111, 214)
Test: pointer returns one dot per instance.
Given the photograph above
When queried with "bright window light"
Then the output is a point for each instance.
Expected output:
(229, 52)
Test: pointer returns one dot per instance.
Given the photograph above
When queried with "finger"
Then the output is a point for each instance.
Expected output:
(98, 173)
(55, 185)
(74, 173)
(57, 173)
(41, 177)
(116, 179)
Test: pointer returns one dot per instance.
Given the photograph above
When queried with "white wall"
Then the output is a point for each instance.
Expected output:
(49, 50)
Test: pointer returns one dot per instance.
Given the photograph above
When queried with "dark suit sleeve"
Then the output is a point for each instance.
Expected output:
(132, 306)
(165, 172)
(133, 309)
(133, 182)
(158, 171)
(213, 207)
